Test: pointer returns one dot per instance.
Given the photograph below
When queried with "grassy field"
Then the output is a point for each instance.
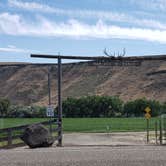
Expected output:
(87, 124)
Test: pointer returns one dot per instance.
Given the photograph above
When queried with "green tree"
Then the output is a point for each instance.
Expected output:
(92, 106)
(4, 107)
(137, 107)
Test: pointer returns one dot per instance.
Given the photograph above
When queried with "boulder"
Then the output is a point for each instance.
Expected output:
(36, 135)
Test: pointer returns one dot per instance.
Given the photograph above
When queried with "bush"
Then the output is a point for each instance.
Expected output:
(88, 106)
(92, 106)
(136, 108)
(4, 107)
(27, 112)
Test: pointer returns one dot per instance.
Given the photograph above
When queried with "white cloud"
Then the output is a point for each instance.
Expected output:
(31, 6)
(159, 5)
(15, 25)
(104, 15)
(12, 48)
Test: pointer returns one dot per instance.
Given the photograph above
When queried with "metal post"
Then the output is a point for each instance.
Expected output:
(147, 120)
(49, 88)
(161, 134)
(156, 133)
(49, 95)
(164, 128)
(9, 137)
(59, 102)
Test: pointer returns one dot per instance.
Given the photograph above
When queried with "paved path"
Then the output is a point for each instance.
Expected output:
(120, 138)
(85, 156)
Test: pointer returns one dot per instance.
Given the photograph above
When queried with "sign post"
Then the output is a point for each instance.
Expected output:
(50, 110)
(50, 113)
(147, 116)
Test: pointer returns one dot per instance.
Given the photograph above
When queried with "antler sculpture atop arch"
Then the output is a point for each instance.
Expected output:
(114, 54)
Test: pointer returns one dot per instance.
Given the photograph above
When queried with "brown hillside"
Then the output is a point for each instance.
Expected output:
(27, 83)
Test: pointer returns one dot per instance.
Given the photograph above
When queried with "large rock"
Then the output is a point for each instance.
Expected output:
(36, 135)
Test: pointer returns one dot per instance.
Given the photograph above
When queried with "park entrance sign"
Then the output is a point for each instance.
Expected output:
(99, 60)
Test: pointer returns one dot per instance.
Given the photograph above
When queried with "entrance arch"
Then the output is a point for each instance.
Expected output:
(99, 60)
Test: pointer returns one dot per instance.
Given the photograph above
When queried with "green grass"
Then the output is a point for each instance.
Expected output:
(106, 124)
(82, 125)
(12, 122)
(87, 124)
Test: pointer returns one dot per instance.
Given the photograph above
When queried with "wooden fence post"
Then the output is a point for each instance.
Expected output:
(9, 133)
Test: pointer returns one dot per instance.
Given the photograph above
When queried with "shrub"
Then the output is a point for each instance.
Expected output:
(4, 107)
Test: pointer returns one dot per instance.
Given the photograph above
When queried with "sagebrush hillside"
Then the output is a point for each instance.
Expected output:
(27, 83)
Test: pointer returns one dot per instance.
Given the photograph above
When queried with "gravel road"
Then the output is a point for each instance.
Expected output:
(137, 155)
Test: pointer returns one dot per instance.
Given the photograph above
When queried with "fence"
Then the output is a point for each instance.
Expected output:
(10, 137)
(162, 130)
(159, 134)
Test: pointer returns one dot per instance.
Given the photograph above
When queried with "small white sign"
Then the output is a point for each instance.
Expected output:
(50, 111)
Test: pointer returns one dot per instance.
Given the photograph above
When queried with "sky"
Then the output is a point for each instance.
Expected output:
(81, 27)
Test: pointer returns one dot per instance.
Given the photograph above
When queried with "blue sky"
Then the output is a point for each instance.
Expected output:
(83, 27)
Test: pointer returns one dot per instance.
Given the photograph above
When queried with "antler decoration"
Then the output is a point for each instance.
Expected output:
(106, 53)
(114, 55)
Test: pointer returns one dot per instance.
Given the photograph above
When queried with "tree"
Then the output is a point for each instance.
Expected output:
(92, 106)
(4, 107)
(137, 107)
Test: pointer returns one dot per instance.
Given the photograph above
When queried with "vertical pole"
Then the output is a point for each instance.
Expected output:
(161, 134)
(164, 127)
(59, 102)
(156, 131)
(49, 95)
(9, 137)
(49, 88)
(147, 121)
